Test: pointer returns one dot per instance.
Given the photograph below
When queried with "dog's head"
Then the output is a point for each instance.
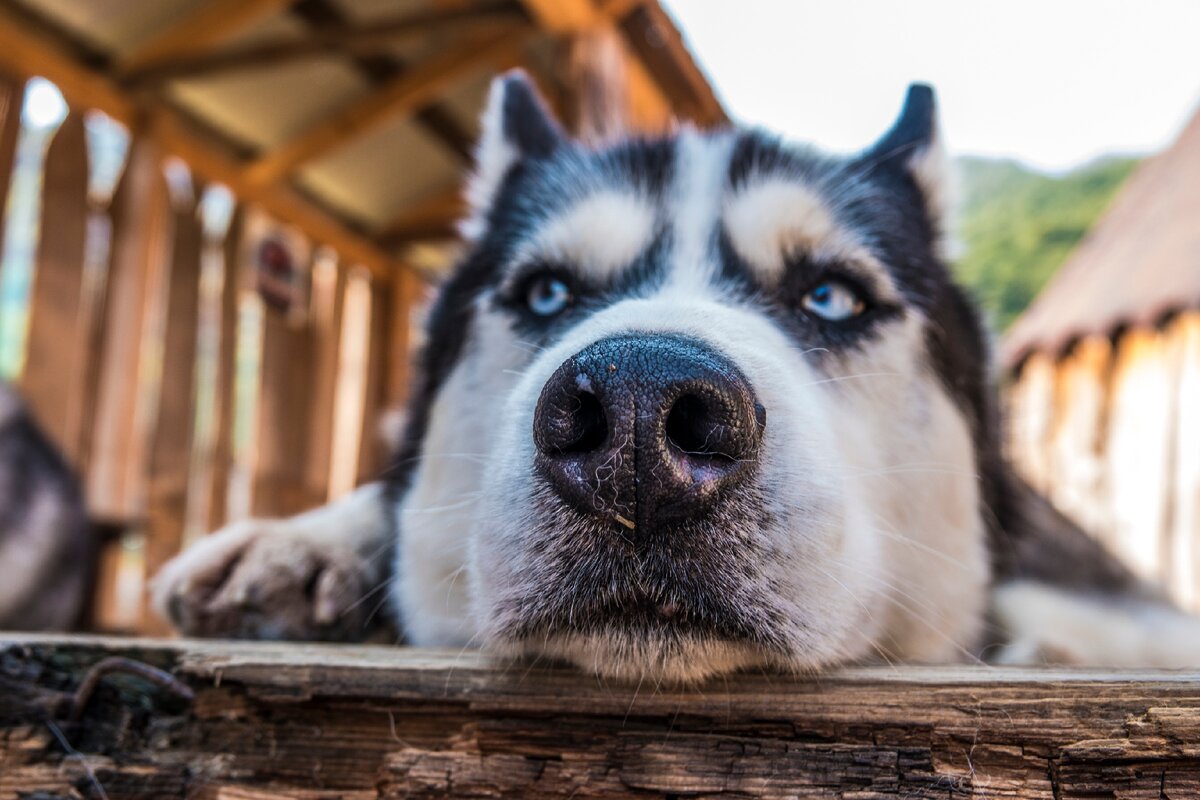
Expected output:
(697, 403)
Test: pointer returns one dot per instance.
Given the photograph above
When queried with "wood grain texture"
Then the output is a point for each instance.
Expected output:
(52, 380)
(276, 720)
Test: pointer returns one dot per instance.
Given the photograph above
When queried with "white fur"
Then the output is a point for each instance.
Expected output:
(599, 235)
(494, 156)
(1049, 625)
(701, 169)
(936, 177)
(774, 219)
(440, 513)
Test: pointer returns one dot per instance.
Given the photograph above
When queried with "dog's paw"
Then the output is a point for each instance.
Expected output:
(266, 580)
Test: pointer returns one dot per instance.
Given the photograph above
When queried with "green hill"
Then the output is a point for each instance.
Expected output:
(1016, 226)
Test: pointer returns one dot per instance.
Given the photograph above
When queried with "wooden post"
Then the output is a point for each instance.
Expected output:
(1183, 557)
(52, 380)
(221, 459)
(372, 449)
(1076, 442)
(599, 103)
(171, 440)
(141, 218)
(1137, 450)
(408, 293)
(284, 412)
(1031, 408)
(12, 95)
(267, 721)
(352, 379)
(328, 304)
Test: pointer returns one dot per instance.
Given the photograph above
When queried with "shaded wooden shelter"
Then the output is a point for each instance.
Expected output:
(196, 370)
(1105, 400)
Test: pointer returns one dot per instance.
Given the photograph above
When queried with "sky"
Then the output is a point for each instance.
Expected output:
(1052, 83)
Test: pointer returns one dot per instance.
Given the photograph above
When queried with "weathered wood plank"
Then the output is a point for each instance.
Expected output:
(277, 720)
(220, 460)
(171, 439)
(12, 95)
(327, 306)
(52, 380)
(141, 238)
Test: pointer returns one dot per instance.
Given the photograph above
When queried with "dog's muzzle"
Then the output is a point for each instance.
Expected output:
(647, 430)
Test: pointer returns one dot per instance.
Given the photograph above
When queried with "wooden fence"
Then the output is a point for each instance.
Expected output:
(1111, 433)
(196, 360)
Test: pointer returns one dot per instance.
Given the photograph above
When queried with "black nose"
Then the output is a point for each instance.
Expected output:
(647, 430)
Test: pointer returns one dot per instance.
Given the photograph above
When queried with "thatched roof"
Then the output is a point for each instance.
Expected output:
(353, 119)
(1139, 264)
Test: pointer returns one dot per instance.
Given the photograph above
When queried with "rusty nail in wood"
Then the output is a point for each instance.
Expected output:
(144, 671)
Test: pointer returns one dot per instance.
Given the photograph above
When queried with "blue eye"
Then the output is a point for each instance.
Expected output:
(834, 301)
(548, 296)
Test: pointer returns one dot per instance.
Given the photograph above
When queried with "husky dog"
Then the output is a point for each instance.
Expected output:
(689, 405)
(47, 551)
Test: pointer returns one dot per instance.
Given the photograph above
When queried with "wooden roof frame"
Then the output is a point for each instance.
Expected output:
(663, 76)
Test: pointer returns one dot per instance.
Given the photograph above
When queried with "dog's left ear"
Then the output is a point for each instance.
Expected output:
(516, 125)
(914, 144)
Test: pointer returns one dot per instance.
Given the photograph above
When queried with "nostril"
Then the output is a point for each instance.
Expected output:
(696, 429)
(572, 422)
(590, 428)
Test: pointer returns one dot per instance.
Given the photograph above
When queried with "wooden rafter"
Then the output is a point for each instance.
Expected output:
(27, 50)
(657, 44)
(379, 35)
(434, 218)
(210, 24)
(660, 83)
(380, 68)
(402, 96)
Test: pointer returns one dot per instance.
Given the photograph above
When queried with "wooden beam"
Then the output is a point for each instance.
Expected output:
(434, 218)
(340, 40)
(650, 109)
(275, 720)
(176, 137)
(664, 79)
(401, 97)
(381, 68)
(213, 22)
(30, 52)
(565, 16)
(657, 45)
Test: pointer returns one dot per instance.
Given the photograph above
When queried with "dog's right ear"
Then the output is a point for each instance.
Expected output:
(517, 125)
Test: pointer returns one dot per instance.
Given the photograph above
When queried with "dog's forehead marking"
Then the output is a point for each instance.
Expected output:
(773, 218)
(598, 235)
(701, 174)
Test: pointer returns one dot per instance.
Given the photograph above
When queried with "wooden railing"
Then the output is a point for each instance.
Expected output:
(140, 719)
(183, 380)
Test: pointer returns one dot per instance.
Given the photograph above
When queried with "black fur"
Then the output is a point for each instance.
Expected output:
(55, 541)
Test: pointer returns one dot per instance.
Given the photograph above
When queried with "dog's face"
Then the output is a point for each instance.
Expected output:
(696, 404)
